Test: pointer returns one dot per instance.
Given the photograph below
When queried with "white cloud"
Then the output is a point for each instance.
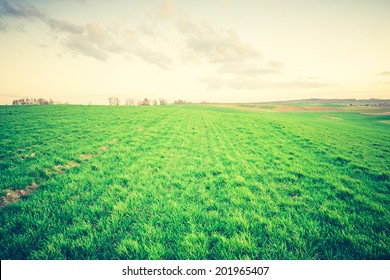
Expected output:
(63, 26)
(3, 27)
(153, 57)
(384, 73)
(166, 10)
(237, 64)
(94, 39)
(82, 45)
(214, 46)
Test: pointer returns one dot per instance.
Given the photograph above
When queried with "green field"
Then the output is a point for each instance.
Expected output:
(192, 182)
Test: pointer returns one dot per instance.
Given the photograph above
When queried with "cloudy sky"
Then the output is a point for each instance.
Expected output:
(84, 51)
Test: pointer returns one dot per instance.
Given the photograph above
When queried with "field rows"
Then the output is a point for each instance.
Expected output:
(192, 182)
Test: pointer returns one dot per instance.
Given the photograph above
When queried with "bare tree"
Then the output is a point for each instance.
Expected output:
(32, 101)
(145, 102)
(130, 102)
(114, 101)
(180, 101)
(163, 101)
(154, 102)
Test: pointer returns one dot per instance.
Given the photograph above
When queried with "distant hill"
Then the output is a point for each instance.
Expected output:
(352, 101)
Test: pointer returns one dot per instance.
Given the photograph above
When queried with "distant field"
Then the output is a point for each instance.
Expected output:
(194, 182)
(297, 107)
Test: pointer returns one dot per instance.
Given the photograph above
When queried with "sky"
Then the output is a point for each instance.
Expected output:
(85, 51)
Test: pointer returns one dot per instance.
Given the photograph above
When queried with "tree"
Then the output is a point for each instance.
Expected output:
(146, 102)
(180, 101)
(163, 101)
(32, 101)
(113, 100)
(130, 102)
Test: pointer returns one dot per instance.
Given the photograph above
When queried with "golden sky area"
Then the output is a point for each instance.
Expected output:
(84, 51)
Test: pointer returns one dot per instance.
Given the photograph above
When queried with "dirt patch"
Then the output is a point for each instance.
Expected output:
(62, 168)
(85, 156)
(114, 141)
(57, 167)
(333, 118)
(14, 196)
(71, 164)
(102, 149)
(27, 156)
(140, 129)
(385, 121)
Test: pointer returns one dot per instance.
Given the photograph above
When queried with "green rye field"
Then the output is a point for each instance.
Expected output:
(194, 182)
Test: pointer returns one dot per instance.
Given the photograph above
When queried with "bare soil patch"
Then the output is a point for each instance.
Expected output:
(333, 118)
(27, 156)
(102, 149)
(85, 156)
(62, 168)
(14, 196)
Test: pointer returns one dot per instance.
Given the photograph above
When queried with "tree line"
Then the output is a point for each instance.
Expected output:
(32, 101)
(114, 101)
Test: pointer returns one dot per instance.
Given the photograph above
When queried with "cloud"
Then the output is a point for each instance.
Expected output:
(31, 13)
(42, 46)
(154, 57)
(237, 63)
(28, 11)
(64, 26)
(97, 41)
(214, 46)
(82, 45)
(93, 39)
(249, 70)
(384, 73)
(166, 10)
(275, 64)
(4, 27)
(244, 83)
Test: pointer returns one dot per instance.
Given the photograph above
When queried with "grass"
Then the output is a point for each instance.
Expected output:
(192, 182)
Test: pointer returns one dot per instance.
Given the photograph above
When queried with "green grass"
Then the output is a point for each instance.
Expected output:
(193, 182)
